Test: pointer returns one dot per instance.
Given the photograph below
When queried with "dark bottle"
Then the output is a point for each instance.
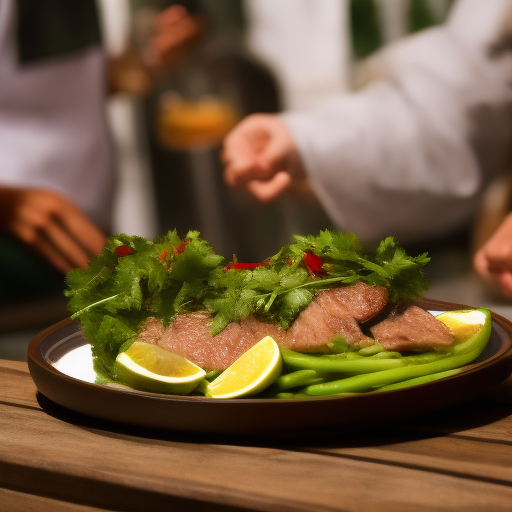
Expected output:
(187, 116)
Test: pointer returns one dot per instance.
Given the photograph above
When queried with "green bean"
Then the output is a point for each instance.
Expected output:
(419, 380)
(375, 348)
(287, 395)
(385, 354)
(202, 387)
(352, 356)
(298, 379)
(460, 355)
(341, 355)
(212, 374)
(352, 365)
(284, 395)
(365, 382)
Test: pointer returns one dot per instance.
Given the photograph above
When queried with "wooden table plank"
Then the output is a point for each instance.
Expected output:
(461, 457)
(14, 501)
(62, 458)
(61, 455)
(17, 386)
(501, 393)
(14, 365)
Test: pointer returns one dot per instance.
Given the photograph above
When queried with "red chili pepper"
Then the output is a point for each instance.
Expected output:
(314, 264)
(163, 255)
(244, 266)
(123, 250)
(249, 266)
(182, 246)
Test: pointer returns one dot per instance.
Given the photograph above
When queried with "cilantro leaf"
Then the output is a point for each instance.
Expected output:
(134, 279)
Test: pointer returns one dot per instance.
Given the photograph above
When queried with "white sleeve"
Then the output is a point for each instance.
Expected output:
(410, 155)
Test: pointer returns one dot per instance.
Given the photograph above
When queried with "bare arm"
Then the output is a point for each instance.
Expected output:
(410, 154)
(51, 226)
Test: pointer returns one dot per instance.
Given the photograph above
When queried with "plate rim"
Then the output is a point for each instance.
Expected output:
(34, 355)
(501, 360)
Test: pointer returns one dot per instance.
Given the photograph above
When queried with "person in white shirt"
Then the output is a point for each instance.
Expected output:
(56, 162)
(411, 153)
(57, 175)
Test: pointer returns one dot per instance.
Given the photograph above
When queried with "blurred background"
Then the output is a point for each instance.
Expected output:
(167, 127)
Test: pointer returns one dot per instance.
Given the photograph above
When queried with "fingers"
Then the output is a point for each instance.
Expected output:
(68, 242)
(253, 150)
(83, 232)
(168, 17)
(269, 190)
(505, 283)
(66, 245)
(45, 248)
(175, 31)
(480, 264)
(493, 261)
(498, 279)
(52, 227)
(246, 169)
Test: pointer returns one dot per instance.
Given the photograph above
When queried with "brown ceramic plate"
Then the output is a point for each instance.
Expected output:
(262, 416)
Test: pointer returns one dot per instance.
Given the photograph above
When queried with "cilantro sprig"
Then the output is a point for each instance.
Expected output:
(120, 289)
(279, 291)
(134, 278)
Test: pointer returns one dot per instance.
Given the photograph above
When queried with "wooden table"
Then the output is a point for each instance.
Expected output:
(53, 460)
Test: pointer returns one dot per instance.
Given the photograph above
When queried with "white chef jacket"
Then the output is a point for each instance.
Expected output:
(53, 129)
(410, 155)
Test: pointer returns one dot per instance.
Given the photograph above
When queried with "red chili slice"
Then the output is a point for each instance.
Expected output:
(244, 266)
(182, 246)
(123, 250)
(314, 264)
(163, 255)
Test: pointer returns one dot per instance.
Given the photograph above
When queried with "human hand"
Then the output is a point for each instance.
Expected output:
(51, 226)
(174, 33)
(166, 39)
(493, 261)
(260, 155)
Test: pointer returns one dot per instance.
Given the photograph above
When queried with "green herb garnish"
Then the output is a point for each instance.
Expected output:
(134, 279)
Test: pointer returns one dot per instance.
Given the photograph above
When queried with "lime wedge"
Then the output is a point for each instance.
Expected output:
(251, 373)
(148, 367)
(464, 324)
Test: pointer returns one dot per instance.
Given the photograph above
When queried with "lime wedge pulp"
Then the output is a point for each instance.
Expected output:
(471, 329)
(251, 373)
(464, 324)
(147, 367)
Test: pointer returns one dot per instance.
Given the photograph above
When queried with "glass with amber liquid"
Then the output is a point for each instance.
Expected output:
(185, 123)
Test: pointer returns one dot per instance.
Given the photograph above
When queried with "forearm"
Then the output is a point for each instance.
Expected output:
(410, 154)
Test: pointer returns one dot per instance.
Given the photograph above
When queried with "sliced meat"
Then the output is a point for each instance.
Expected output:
(261, 329)
(330, 315)
(190, 336)
(323, 320)
(152, 331)
(412, 328)
(362, 300)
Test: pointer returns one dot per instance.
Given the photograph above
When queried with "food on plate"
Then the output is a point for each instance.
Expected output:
(333, 310)
(408, 327)
(403, 369)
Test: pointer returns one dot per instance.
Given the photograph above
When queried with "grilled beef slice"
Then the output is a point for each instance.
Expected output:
(190, 336)
(409, 327)
(333, 313)
(362, 301)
